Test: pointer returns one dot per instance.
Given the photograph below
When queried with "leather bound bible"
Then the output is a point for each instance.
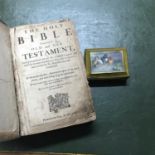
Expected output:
(43, 85)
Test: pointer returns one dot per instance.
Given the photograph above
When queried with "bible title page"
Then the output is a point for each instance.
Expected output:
(50, 72)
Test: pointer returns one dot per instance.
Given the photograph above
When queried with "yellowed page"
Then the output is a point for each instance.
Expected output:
(51, 81)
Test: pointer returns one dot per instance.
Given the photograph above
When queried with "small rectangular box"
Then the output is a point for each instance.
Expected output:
(106, 63)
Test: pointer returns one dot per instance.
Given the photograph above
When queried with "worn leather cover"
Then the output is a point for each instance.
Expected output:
(9, 124)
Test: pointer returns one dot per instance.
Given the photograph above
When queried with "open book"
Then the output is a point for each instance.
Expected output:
(43, 84)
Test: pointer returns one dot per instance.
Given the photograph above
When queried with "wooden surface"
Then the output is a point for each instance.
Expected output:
(125, 122)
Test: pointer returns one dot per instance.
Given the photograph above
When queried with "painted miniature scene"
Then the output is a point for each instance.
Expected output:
(106, 62)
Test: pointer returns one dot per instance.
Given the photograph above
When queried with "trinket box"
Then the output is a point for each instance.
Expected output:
(106, 63)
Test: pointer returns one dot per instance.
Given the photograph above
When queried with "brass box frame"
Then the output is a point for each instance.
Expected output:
(104, 75)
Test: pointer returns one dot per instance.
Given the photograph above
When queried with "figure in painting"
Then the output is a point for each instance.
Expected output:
(97, 61)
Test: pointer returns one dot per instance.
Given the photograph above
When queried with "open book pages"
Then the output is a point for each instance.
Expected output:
(51, 84)
(9, 123)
